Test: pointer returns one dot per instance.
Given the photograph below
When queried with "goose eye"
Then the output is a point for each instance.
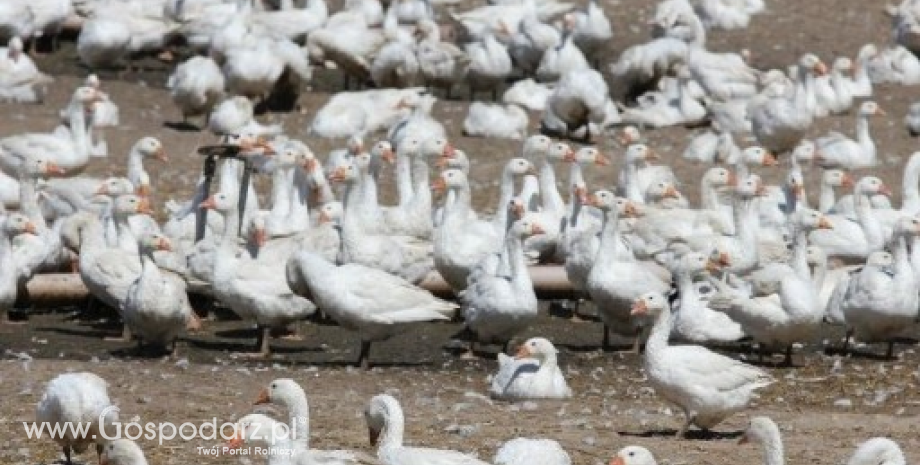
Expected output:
(632, 454)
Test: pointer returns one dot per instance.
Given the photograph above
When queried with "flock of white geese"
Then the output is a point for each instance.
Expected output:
(750, 261)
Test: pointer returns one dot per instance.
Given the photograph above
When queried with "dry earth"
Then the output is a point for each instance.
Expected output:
(825, 406)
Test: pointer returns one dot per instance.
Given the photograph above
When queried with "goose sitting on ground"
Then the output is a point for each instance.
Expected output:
(877, 451)
(372, 302)
(77, 399)
(531, 374)
(839, 151)
(501, 122)
(122, 451)
(386, 424)
(634, 455)
(529, 94)
(196, 86)
(527, 451)
(707, 386)
(20, 79)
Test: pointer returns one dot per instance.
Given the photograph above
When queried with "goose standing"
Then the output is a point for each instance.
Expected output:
(375, 304)
(12, 277)
(497, 306)
(531, 374)
(879, 303)
(707, 386)
(196, 86)
(156, 308)
(252, 290)
(592, 30)
(779, 123)
(77, 399)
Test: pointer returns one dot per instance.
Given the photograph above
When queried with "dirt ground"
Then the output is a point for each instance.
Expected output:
(825, 405)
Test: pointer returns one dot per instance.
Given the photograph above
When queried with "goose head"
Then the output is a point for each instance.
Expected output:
(759, 431)
(527, 226)
(650, 303)
(816, 256)
(536, 347)
(636, 153)
(719, 177)
(907, 226)
(255, 427)
(122, 452)
(758, 156)
(843, 66)
(249, 143)
(696, 263)
(40, 167)
(437, 147)
(590, 155)
(750, 187)
(662, 190)
(381, 410)
(804, 151)
(520, 167)
(812, 64)
(283, 391)
(130, 204)
(795, 182)
(330, 212)
(877, 451)
(870, 108)
(384, 151)
(115, 186)
(629, 135)
(637, 455)
(607, 201)
(837, 178)
(143, 185)
(458, 160)
(451, 179)
(346, 173)
(153, 242)
(560, 151)
(221, 201)
(871, 185)
(811, 219)
(536, 146)
(17, 223)
(580, 193)
(516, 208)
(257, 232)
(355, 144)
(86, 97)
(151, 147)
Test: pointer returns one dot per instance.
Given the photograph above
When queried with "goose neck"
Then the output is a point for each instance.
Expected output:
(28, 199)
(631, 179)
(658, 337)
(827, 198)
(910, 191)
(606, 251)
(800, 253)
(773, 450)
(135, 165)
(505, 193)
(514, 254)
(299, 414)
(552, 200)
(863, 137)
(403, 177)
(394, 424)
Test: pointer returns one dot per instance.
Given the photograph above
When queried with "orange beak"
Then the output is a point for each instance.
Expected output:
(885, 190)
(143, 207)
(879, 111)
(638, 308)
(592, 200)
(522, 352)
(652, 155)
(732, 179)
(309, 165)
(569, 156)
(672, 192)
(744, 439)
(537, 230)
(102, 189)
(262, 143)
(53, 168)
(769, 159)
(30, 228)
(631, 210)
(161, 155)
(601, 160)
(581, 194)
(448, 151)
(236, 441)
(323, 218)
(517, 208)
(820, 68)
(825, 223)
(263, 397)
(713, 266)
(847, 181)
(388, 156)
(210, 203)
(798, 189)
(259, 236)
(143, 190)
(163, 244)
(761, 190)
(618, 461)
(439, 186)
(338, 175)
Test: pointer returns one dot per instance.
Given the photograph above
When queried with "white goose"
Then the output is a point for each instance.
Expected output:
(496, 121)
(533, 373)
(880, 302)
(122, 451)
(498, 304)
(374, 303)
(386, 424)
(838, 151)
(20, 79)
(156, 307)
(780, 122)
(525, 451)
(77, 398)
(707, 386)
(696, 321)
(490, 65)
(196, 86)
(68, 148)
(849, 239)
(580, 105)
(253, 291)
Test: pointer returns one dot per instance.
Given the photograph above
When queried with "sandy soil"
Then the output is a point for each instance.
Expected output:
(825, 405)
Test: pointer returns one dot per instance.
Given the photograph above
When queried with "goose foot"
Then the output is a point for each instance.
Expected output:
(470, 353)
(889, 354)
(99, 449)
(125, 335)
(5, 319)
(67, 451)
(605, 343)
(787, 362)
(364, 355)
(174, 350)
(846, 342)
(262, 343)
(193, 325)
(682, 432)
